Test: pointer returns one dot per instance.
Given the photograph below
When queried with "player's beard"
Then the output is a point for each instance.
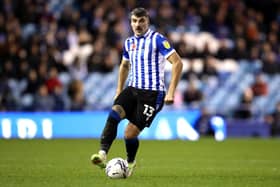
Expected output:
(140, 31)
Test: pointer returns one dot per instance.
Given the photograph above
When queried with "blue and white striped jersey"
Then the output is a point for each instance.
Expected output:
(147, 55)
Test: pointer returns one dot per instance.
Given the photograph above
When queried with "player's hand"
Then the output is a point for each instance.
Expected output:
(168, 100)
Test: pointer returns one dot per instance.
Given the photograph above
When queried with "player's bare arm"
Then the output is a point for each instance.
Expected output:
(123, 73)
(177, 66)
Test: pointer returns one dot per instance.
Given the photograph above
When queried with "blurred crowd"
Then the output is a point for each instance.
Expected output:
(48, 48)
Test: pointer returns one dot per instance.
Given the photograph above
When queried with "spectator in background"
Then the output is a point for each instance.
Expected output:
(76, 96)
(33, 83)
(43, 101)
(60, 100)
(110, 61)
(259, 86)
(254, 54)
(244, 110)
(202, 124)
(33, 56)
(192, 95)
(181, 47)
(238, 31)
(273, 39)
(269, 65)
(204, 53)
(78, 70)
(209, 68)
(240, 51)
(53, 81)
(274, 121)
(28, 93)
(190, 73)
(42, 71)
(164, 19)
(209, 74)
(78, 102)
(9, 69)
(95, 62)
(224, 51)
(7, 100)
(252, 32)
(23, 69)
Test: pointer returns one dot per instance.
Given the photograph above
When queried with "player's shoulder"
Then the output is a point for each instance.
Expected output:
(163, 42)
(128, 42)
(129, 39)
(161, 39)
(160, 35)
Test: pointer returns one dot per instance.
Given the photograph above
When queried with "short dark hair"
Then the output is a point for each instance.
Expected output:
(139, 12)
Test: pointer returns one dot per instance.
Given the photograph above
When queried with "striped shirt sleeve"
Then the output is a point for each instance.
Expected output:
(164, 46)
(125, 55)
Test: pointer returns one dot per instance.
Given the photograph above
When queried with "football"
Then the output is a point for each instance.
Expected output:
(117, 168)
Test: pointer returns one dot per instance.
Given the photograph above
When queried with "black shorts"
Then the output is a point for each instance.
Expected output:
(141, 106)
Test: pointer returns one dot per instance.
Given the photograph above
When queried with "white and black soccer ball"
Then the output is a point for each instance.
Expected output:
(117, 168)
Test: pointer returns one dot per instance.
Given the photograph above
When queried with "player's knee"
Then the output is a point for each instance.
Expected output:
(118, 109)
(131, 132)
(129, 135)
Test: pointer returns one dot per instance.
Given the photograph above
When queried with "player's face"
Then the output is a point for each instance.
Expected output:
(139, 25)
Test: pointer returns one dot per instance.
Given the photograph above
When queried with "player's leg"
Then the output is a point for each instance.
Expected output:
(131, 141)
(110, 130)
(149, 103)
(121, 108)
(108, 135)
(132, 145)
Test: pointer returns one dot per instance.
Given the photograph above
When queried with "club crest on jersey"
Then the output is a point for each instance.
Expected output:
(132, 47)
(166, 44)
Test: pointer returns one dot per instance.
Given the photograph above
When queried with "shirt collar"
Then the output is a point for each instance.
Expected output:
(143, 36)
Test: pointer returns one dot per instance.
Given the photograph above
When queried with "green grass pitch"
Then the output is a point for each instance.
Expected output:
(65, 162)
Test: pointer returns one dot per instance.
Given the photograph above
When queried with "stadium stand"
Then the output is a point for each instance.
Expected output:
(82, 40)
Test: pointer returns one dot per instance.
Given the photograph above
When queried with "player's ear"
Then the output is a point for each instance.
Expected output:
(148, 20)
